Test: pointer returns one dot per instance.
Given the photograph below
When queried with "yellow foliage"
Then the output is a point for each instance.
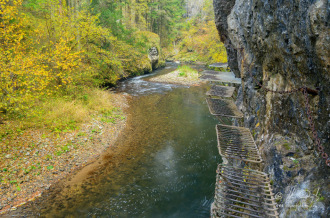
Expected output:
(55, 52)
(147, 39)
(21, 76)
(52, 61)
(201, 42)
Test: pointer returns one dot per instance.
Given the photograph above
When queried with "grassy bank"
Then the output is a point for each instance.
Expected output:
(60, 113)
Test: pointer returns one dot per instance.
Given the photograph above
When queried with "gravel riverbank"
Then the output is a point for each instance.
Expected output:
(175, 78)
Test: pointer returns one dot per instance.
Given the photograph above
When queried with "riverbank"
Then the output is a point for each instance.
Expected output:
(162, 163)
(182, 76)
(38, 158)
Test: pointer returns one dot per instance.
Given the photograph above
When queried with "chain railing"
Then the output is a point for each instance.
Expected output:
(305, 91)
(317, 141)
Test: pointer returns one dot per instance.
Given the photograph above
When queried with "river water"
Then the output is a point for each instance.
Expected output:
(165, 164)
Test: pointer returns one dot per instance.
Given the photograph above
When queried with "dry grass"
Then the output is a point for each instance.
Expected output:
(63, 114)
(60, 114)
(100, 100)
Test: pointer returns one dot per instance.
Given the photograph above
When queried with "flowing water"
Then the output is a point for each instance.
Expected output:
(163, 165)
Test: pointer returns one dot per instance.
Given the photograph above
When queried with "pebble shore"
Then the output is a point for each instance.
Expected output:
(175, 78)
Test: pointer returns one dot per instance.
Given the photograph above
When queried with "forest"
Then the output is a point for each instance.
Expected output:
(67, 50)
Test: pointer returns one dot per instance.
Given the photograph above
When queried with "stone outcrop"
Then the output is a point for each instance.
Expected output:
(153, 55)
(151, 42)
(221, 10)
(284, 45)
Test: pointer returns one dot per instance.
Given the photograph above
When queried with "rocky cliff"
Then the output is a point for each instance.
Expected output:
(284, 45)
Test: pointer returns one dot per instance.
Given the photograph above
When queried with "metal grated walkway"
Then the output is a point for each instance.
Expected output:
(221, 91)
(223, 107)
(243, 193)
(239, 192)
(219, 65)
(217, 73)
(217, 76)
(237, 143)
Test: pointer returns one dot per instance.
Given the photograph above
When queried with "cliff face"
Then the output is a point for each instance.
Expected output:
(285, 45)
(221, 11)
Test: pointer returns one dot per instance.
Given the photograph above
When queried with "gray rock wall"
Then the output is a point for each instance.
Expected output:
(153, 55)
(286, 46)
(222, 9)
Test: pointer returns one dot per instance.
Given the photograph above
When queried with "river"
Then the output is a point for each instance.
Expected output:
(163, 165)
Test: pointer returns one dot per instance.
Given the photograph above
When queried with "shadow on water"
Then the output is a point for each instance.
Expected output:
(163, 164)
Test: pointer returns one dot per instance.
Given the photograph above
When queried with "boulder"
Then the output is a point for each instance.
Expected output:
(150, 42)
(153, 55)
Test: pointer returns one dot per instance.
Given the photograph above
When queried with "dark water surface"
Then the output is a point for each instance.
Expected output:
(165, 167)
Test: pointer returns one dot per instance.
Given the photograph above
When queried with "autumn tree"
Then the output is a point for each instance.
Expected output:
(22, 76)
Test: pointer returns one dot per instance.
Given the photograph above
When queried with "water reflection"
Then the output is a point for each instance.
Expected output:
(165, 163)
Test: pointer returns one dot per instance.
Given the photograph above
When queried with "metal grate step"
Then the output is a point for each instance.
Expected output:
(221, 91)
(218, 73)
(223, 107)
(219, 65)
(226, 77)
(243, 193)
(237, 143)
